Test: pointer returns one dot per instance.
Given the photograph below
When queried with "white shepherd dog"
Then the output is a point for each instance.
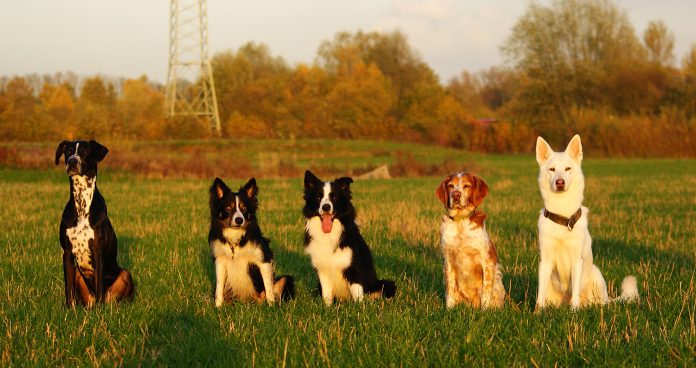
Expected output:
(567, 274)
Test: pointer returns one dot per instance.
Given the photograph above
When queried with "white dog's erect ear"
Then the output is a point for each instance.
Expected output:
(543, 151)
(574, 149)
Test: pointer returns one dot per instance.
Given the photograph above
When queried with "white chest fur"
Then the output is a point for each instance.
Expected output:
(328, 258)
(323, 248)
(81, 235)
(463, 234)
(235, 261)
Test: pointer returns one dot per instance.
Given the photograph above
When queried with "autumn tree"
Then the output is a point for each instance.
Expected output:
(659, 42)
(57, 109)
(140, 108)
(391, 53)
(360, 101)
(567, 50)
(251, 83)
(95, 112)
(17, 103)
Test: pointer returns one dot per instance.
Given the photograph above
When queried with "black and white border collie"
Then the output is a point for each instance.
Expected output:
(242, 255)
(337, 250)
(90, 268)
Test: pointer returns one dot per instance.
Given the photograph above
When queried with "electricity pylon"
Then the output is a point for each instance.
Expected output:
(189, 63)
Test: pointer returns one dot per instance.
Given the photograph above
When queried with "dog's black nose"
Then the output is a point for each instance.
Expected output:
(326, 207)
(238, 220)
(72, 161)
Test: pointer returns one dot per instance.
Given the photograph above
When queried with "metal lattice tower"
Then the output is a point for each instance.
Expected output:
(189, 63)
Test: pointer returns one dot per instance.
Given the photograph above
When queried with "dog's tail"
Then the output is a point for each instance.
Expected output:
(387, 288)
(629, 290)
(288, 291)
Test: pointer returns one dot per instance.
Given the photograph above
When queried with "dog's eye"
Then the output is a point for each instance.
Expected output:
(332, 196)
(467, 185)
(553, 169)
(567, 169)
(228, 209)
(242, 207)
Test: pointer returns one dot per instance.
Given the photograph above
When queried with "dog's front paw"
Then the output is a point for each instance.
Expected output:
(219, 302)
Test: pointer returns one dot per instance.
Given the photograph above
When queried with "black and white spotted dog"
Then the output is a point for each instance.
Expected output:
(242, 255)
(91, 271)
(337, 250)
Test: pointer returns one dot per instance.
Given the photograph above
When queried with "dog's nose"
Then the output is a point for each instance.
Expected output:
(238, 220)
(72, 161)
(456, 195)
(326, 207)
(560, 183)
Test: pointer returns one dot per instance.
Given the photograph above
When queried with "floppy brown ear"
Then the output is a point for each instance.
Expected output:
(61, 150)
(479, 191)
(441, 192)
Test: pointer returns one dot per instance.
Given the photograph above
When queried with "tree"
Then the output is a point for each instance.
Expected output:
(95, 113)
(17, 112)
(57, 110)
(140, 110)
(360, 101)
(659, 42)
(392, 55)
(566, 51)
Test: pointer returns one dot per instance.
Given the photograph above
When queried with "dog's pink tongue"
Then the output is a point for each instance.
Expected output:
(326, 222)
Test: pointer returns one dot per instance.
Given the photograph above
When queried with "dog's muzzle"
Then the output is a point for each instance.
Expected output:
(73, 165)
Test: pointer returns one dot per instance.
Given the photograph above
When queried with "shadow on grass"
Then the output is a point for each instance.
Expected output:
(125, 243)
(183, 339)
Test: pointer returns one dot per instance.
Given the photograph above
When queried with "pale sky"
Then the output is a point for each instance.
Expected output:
(129, 38)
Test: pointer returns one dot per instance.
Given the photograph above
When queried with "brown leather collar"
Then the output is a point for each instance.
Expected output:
(460, 218)
(564, 221)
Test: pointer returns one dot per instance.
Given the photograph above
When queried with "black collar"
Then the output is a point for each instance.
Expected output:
(564, 221)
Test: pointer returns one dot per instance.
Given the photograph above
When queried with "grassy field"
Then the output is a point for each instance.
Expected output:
(643, 222)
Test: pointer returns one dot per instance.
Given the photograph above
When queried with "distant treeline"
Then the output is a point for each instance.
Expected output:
(571, 67)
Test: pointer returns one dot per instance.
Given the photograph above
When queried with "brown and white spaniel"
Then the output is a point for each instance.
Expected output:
(472, 272)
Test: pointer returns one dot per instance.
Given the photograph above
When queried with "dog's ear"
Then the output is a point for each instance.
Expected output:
(543, 151)
(311, 181)
(479, 190)
(60, 150)
(574, 149)
(250, 188)
(98, 151)
(441, 191)
(218, 189)
(343, 183)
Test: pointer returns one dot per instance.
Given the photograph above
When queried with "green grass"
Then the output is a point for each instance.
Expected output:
(642, 221)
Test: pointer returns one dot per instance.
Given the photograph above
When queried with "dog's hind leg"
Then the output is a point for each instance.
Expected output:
(284, 287)
(357, 292)
(122, 288)
(594, 289)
